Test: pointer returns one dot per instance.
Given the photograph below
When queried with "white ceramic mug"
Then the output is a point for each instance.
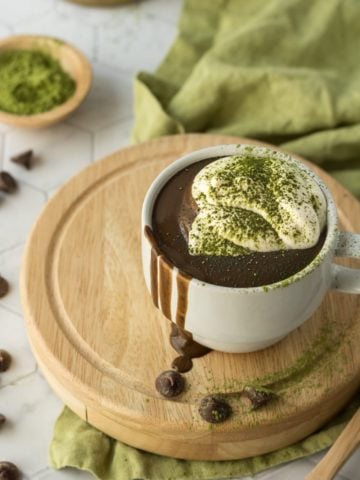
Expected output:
(247, 319)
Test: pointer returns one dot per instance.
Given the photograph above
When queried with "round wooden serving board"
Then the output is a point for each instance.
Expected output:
(101, 343)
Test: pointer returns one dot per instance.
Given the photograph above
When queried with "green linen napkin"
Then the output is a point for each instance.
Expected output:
(76, 444)
(285, 72)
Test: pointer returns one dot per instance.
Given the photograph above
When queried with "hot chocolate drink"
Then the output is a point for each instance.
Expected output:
(239, 222)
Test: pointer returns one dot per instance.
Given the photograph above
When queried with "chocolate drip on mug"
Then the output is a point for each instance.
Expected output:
(165, 285)
(184, 344)
(161, 288)
(161, 273)
(153, 265)
(182, 281)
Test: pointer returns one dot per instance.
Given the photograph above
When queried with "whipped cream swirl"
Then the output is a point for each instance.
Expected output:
(255, 203)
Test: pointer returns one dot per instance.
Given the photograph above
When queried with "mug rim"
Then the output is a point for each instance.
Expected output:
(234, 149)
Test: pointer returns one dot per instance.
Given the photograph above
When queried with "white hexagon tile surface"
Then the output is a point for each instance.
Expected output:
(15, 11)
(163, 9)
(4, 31)
(109, 101)
(133, 42)
(110, 139)
(60, 26)
(96, 17)
(31, 409)
(18, 212)
(119, 41)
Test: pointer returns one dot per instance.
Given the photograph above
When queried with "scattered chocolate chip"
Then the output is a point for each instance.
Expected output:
(24, 159)
(7, 182)
(2, 419)
(4, 286)
(9, 471)
(5, 360)
(214, 409)
(170, 383)
(258, 396)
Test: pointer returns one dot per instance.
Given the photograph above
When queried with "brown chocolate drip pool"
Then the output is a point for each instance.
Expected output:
(184, 344)
(173, 213)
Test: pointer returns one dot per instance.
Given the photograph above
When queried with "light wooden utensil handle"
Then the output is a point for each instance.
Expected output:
(339, 452)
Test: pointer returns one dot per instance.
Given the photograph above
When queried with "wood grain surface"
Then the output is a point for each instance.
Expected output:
(101, 343)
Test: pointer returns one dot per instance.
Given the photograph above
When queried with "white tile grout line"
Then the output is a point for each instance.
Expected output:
(111, 68)
(7, 25)
(96, 42)
(19, 379)
(30, 185)
(61, 14)
(13, 247)
(113, 123)
(79, 127)
(92, 147)
(56, 7)
(154, 16)
(10, 310)
(116, 69)
(2, 153)
(36, 474)
(94, 45)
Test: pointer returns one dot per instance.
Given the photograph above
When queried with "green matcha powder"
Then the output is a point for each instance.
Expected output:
(32, 82)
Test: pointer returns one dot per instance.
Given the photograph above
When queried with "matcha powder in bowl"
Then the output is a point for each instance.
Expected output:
(32, 82)
(43, 80)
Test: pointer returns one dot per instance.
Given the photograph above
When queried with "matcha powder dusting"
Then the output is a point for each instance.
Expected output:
(32, 82)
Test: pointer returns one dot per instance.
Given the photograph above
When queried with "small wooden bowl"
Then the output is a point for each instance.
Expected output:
(71, 60)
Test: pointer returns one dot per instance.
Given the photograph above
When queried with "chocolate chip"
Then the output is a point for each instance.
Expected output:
(7, 182)
(24, 159)
(9, 471)
(4, 286)
(5, 360)
(170, 384)
(258, 396)
(214, 409)
(2, 419)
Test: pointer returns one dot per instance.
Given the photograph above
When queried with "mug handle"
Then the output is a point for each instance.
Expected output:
(346, 279)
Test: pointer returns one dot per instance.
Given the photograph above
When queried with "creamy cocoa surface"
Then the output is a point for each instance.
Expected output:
(173, 214)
